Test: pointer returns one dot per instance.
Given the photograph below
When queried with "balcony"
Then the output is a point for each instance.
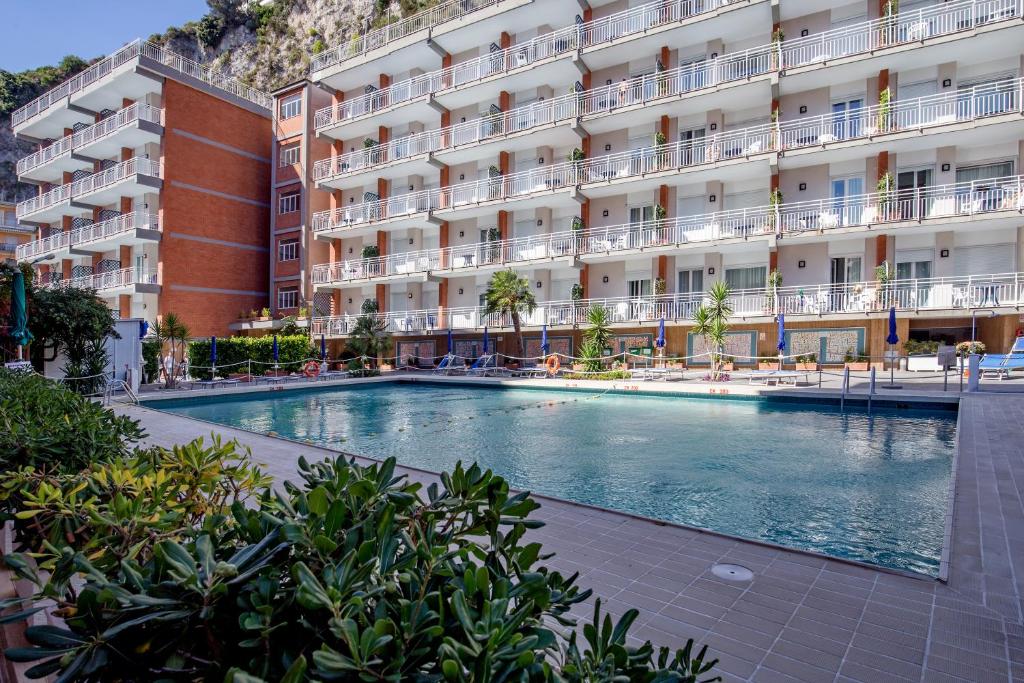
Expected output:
(133, 126)
(131, 178)
(548, 186)
(925, 297)
(731, 81)
(535, 125)
(123, 281)
(925, 37)
(614, 39)
(410, 266)
(48, 115)
(546, 59)
(127, 229)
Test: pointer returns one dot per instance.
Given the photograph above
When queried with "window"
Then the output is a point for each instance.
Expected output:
(288, 297)
(289, 155)
(291, 106)
(749, 277)
(288, 203)
(288, 250)
(691, 281)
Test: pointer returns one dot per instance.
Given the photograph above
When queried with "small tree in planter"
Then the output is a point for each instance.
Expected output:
(883, 275)
(884, 110)
(173, 333)
(774, 204)
(661, 152)
(370, 251)
(660, 286)
(774, 282)
(970, 348)
(807, 362)
(711, 321)
(886, 190)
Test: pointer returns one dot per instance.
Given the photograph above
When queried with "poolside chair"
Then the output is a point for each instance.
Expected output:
(446, 362)
(482, 365)
(999, 365)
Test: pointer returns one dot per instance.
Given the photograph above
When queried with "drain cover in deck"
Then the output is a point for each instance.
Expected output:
(732, 572)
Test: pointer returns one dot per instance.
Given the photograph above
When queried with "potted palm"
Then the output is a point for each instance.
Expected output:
(510, 295)
(370, 338)
(596, 339)
(711, 322)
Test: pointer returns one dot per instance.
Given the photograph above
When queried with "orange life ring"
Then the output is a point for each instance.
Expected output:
(311, 369)
(552, 364)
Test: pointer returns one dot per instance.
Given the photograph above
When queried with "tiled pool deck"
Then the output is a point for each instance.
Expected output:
(801, 618)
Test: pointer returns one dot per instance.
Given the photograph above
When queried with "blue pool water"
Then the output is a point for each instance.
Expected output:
(870, 488)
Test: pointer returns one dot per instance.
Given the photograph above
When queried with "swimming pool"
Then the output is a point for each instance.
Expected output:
(870, 488)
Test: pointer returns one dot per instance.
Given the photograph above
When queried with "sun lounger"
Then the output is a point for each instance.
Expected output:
(445, 365)
(333, 374)
(535, 371)
(215, 382)
(769, 377)
(999, 365)
(482, 365)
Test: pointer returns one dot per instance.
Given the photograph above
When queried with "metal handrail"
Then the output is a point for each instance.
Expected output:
(89, 233)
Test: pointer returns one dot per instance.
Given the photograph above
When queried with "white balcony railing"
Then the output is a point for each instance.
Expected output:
(968, 104)
(483, 129)
(946, 293)
(114, 279)
(909, 26)
(498, 188)
(134, 50)
(486, 66)
(139, 111)
(91, 183)
(115, 174)
(396, 30)
(940, 202)
(85, 235)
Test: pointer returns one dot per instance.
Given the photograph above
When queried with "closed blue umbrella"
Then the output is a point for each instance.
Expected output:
(143, 328)
(781, 346)
(660, 341)
(486, 339)
(19, 312)
(544, 345)
(276, 350)
(451, 342)
(892, 338)
(213, 350)
(323, 347)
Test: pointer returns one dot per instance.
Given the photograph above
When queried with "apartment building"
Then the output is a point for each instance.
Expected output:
(826, 159)
(153, 173)
(12, 233)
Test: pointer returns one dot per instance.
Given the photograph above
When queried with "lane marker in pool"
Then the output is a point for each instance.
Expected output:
(732, 572)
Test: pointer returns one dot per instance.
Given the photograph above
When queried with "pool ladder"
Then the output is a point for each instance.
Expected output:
(846, 389)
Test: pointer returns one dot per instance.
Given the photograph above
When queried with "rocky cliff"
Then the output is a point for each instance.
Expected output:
(265, 43)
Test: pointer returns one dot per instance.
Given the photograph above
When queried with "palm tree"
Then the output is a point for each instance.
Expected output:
(170, 330)
(711, 321)
(595, 338)
(509, 294)
(370, 337)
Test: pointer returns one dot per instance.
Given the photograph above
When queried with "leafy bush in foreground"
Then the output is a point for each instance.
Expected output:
(352, 575)
(49, 427)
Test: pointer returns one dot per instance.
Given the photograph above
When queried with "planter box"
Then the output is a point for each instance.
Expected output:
(767, 366)
(807, 367)
(727, 367)
(857, 367)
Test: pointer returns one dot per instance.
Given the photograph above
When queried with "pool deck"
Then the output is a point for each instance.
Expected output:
(802, 617)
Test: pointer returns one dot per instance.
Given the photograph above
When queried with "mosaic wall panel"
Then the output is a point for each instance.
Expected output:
(424, 350)
(740, 345)
(469, 348)
(829, 345)
(625, 342)
(562, 345)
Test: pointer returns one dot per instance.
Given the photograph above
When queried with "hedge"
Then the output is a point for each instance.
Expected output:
(231, 351)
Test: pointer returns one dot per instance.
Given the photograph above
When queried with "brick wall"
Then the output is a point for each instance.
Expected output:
(214, 210)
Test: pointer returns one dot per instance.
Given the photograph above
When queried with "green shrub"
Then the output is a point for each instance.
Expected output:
(47, 426)
(609, 374)
(233, 351)
(353, 574)
(968, 348)
(151, 360)
(913, 347)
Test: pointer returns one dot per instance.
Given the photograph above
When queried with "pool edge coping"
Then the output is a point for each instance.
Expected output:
(630, 515)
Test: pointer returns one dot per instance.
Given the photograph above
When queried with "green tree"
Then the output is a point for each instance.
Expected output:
(596, 337)
(508, 294)
(711, 321)
(370, 337)
(74, 322)
(172, 332)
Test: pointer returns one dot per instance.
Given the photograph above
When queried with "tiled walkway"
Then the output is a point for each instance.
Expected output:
(801, 618)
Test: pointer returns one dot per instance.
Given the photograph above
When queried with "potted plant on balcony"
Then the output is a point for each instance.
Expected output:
(774, 141)
(576, 294)
(370, 251)
(264, 314)
(661, 158)
(777, 37)
(774, 282)
(774, 204)
(807, 362)
(883, 275)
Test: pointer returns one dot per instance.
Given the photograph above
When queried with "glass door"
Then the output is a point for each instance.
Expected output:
(847, 202)
(641, 221)
(690, 288)
(911, 270)
(846, 119)
(845, 271)
(640, 305)
(910, 192)
(692, 148)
